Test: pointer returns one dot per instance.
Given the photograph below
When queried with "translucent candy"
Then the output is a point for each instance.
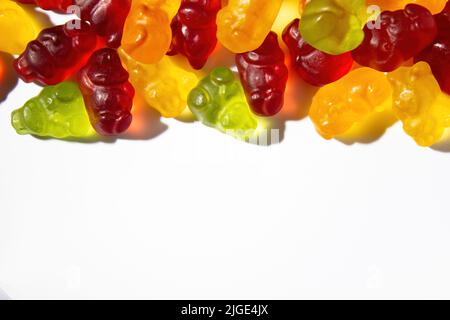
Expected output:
(58, 112)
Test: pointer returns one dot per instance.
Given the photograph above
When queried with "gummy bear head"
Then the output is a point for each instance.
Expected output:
(147, 34)
(105, 68)
(420, 104)
(58, 111)
(29, 119)
(211, 94)
(198, 13)
(334, 26)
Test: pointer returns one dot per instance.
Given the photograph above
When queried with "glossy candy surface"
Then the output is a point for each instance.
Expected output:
(147, 33)
(56, 54)
(58, 112)
(401, 35)
(434, 6)
(264, 76)
(314, 66)
(164, 85)
(420, 104)
(219, 101)
(107, 17)
(15, 36)
(108, 95)
(55, 5)
(194, 30)
(338, 106)
(437, 55)
(334, 26)
(242, 25)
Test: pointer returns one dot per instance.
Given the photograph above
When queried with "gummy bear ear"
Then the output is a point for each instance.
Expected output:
(66, 91)
(221, 76)
(198, 99)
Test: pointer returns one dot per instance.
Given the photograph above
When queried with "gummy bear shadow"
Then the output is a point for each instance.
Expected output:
(298, 99)
(443, 145)
(146, 124)
(8, 77)
(370, 130)
(3, 295)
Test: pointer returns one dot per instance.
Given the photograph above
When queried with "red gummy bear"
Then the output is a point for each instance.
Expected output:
(108, 18)
(437, 55)
(55, 5)
(194, 31)
(108, 95)
(400, 36)
(57, 53)
(264, 76)
(314, 66)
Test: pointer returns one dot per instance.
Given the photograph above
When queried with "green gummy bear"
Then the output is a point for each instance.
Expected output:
(219, 101)
(334, 26)
(58, 112)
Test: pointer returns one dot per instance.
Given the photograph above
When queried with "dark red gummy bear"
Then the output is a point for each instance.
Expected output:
(55, 5)
(194, 31)
(108, 18)
(437, 55)
(108, 95)
(57, 53)
(401, 35)
(314, 66)
(264, 76)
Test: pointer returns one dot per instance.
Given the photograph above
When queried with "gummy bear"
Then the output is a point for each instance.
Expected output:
(314, 66)
(399, 37)
(333, 26)
(14, 36)
(164, 85)
(57, 112)
(420, 104)
(107, 93)
(107, 17)
(242, 25)
(219, 101)
(264, 76)
(194, 30)
(57, 53)
(434, 6)
(338, 106)
(438, 53)
(301, 6)
(55, 5)
(147, 33)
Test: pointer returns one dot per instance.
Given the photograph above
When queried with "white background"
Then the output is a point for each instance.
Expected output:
(180, 211)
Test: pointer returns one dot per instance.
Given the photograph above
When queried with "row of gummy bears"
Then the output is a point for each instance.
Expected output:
(364, 62)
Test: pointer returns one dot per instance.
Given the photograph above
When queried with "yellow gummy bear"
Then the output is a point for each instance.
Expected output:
(337, 107)
(165, 86)
(147, 34)
(17, 27)
(435, 6)
(242, 25)
(420, 104)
